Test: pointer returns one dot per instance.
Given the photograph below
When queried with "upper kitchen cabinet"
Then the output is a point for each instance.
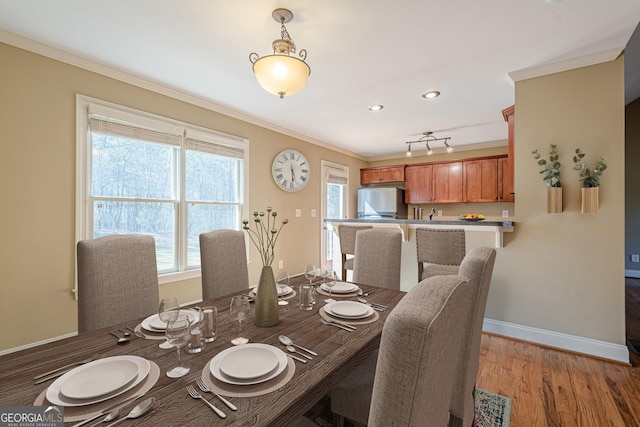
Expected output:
(383, 174)
(447, 182)
(419, 184)
(487, 180)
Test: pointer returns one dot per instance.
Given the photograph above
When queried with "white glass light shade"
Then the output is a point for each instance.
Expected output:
(281, 75)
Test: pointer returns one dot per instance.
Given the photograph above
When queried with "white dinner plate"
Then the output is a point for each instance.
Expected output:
(57, 398)
(349, 309)
(214, 366)
(93, 380)
(281, 291)
(341, 287)
(154, 324)
(249, 363)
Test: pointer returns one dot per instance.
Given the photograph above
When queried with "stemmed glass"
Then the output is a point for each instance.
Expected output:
(283, 281)
(178, 332)
(330, 279)
(240, 311)
(168, 311)
(310, 274)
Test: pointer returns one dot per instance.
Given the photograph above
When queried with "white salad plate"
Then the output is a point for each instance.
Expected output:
(281, 291)
(154, 324)
(55, 396)
(94, 380)
(246, 352)
(340, 288)
(249, 363)
(349, 309)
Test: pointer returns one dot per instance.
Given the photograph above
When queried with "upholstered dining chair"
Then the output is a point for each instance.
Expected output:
(409, 383)
(477, 266)
(117, 280)
(442, 250)
(347, 237)
(377, 259)
(223, 262)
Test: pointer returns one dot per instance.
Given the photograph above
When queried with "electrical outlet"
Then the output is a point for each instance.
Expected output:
(505, 213)
(439, 212)
(313, 213)
(298, 213)
(281, 264)
(635, 258)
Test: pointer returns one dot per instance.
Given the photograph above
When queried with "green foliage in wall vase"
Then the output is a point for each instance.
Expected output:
(550, 169)
(589, 177)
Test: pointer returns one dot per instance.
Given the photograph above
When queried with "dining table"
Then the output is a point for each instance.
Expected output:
(338, 352)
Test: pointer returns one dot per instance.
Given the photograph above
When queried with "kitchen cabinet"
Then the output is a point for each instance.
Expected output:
(383, 174)
(419, 184)
(487, 180)
(447, 182)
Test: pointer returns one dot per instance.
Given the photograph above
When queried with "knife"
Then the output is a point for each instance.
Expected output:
(109, 409)
(63, 368)
(294, 357)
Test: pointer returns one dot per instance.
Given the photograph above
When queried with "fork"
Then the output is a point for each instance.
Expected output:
(193, 393)
(337, 325)
(207, 389)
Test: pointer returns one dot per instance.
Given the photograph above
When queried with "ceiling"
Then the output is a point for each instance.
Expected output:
(361, 52)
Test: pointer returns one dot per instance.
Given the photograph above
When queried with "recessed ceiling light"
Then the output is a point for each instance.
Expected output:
(376, 107)
(431, 94)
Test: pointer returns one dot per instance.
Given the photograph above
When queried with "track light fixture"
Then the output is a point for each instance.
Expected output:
(426, 139)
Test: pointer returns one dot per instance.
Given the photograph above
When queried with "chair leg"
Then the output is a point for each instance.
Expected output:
(337, 420)
(344, 270)
(420, 270)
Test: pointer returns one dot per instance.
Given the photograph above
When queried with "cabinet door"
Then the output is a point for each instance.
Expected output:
(369, 176)
(418, 184)
(392, 174)
(480, 180)
(505, 181)
(447, 182)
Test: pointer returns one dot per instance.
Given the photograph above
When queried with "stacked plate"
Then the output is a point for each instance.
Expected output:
(154, 324)
(248, 364)
(98, 381)
(282, 292)
(348, 310)
(341, 288)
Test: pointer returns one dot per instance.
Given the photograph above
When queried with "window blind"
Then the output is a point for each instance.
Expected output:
(106, 127)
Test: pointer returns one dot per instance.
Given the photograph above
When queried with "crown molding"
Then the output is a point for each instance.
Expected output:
(565, 65)
(153, 86)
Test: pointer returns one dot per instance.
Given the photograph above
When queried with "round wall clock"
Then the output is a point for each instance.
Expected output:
(290, 170)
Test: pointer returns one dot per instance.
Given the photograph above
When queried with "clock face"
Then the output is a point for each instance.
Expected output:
(290, 170)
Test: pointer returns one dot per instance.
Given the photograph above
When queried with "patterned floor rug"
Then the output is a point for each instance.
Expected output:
(492, 410)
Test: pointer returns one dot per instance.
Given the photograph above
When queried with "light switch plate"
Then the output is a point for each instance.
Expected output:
(298, 213)
(505, 213)
(439, 212)
(313, 213)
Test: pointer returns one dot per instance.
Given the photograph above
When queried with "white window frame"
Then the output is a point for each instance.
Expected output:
(330, 168)
(84, 224)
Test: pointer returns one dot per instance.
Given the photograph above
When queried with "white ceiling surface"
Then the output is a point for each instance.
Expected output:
(360, 52)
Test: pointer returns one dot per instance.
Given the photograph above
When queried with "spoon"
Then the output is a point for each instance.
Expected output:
(293, 350)
(288, 341)
(121, 340)
(138, 411)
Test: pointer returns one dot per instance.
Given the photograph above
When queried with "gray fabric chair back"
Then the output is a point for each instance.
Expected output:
(418, 355)
(377, 258)
(117, 280)
(223, 261)
(444, 248)
(347, 236)
(477, 266)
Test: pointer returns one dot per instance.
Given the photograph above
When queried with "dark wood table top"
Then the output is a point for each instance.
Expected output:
(339, 352)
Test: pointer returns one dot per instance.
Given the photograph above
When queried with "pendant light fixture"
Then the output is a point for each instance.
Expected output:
(281, 73)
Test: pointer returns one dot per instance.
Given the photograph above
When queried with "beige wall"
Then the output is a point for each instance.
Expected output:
(560, 272)
(37, 179)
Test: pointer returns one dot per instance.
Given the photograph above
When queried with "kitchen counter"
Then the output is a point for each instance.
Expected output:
(407, 226)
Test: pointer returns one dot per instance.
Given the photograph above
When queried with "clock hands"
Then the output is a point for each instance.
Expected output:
(293, 176)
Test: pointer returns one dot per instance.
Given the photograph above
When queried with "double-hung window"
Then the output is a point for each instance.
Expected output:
(143, 174)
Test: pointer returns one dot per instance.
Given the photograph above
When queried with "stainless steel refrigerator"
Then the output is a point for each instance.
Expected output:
(381, 203)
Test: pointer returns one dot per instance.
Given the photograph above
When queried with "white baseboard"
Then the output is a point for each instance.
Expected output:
(632, 273)
(35, 344)
(602, 349)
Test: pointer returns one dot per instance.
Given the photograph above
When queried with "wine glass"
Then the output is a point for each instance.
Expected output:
(178, 332)
(168, 311)
(330, 279)
(310, 274)
(283, 281)
(240, 311)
